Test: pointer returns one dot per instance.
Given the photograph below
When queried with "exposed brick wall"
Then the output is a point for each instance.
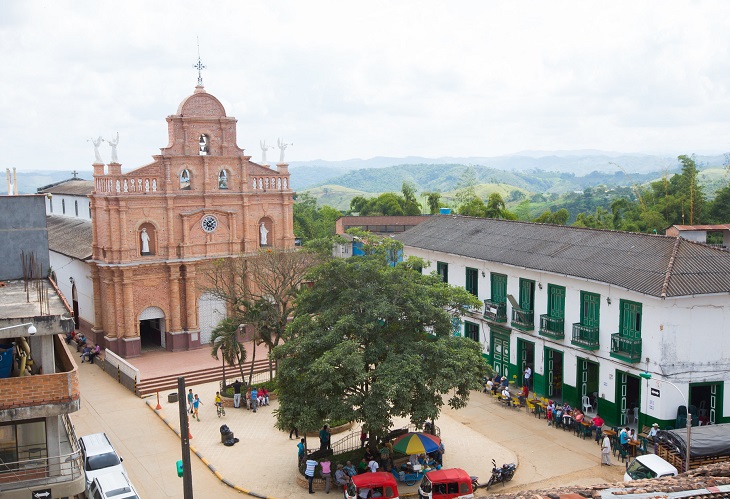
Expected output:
(40, 389)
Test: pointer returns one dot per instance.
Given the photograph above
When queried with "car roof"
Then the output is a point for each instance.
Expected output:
(657, 464)
(377, 479)
(445, 475)
(115, 484)
(96, 443)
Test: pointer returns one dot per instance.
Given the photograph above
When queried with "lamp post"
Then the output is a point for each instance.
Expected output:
(31, 328)
(647, 376)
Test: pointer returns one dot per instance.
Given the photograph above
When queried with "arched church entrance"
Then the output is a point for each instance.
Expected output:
(211, 311)
(152, 328)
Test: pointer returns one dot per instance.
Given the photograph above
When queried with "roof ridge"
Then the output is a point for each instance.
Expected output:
(670, 267)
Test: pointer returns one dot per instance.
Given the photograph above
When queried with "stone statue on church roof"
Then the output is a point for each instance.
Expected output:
(113, 144)
(97, 154)
(264, 148)
(282, 147)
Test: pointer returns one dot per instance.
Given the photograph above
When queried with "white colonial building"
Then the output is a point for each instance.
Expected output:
(589, 310)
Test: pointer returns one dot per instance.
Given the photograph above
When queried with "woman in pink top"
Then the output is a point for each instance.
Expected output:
(326, 473)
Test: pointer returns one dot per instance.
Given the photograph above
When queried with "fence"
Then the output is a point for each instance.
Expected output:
(351, 441)
(121, 370)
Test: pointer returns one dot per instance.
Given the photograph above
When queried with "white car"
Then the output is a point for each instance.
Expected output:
(648, 466)
(113, 485)
(100, 458)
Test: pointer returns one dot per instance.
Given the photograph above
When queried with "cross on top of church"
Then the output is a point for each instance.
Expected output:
(74, 173)
(200, 67)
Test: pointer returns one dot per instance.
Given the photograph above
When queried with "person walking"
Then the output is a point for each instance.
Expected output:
(236, 394)
(528, 375)
(191, 398)
(324, 438)
(606, 451)
(300, 450)
(196, 404)
(326, 472)
(293, 431)
(254, 398)
(309, 473)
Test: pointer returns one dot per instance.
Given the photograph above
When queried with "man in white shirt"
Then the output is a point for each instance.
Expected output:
(528, 375)
(373, 465)
(309, 473)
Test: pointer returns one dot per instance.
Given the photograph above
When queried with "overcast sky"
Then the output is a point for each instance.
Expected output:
(360, 79)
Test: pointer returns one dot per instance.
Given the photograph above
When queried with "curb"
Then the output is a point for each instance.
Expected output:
(202, 458)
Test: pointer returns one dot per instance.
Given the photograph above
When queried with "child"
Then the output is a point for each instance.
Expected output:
(218, 401)
(196, 403)
(190, 400)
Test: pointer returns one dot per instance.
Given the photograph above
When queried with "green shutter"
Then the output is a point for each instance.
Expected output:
(590, 309)
(556, 303)
(527, 294)
(630, 319)
(499, 287)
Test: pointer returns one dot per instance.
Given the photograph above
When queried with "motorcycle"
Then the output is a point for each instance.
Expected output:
(501, 475)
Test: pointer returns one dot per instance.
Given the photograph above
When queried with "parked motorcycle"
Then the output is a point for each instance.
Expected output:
(501, 475)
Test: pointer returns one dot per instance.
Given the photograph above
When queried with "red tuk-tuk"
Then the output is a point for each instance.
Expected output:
(378, 484)
(453, 483)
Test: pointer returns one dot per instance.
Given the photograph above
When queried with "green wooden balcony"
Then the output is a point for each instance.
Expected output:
(585, 336)
(523, 319)
(552, 327)
(495, 311)
(625, 348)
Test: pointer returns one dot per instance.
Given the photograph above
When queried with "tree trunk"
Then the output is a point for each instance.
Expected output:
(271, 365)
(253, 360)
(240, 368)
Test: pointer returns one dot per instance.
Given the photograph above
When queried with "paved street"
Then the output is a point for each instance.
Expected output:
(264, 460)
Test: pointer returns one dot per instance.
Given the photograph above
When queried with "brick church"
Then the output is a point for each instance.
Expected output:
(154, 228)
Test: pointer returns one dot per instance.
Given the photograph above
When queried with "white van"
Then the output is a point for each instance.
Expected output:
(648, 466)
(100, 458)
(112, 485)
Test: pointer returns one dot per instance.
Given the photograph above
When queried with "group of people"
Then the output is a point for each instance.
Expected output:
(254, 397)
(88, 352)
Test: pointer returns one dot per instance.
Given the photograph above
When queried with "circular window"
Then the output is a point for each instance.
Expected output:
(209, 223)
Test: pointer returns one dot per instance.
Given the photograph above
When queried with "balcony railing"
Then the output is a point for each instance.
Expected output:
(495, 311)
(552, 327)
(523, 319)
(585, 336)
(624, 348)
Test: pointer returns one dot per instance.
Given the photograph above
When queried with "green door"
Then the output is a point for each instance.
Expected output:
(499, 287)
(590, 312)
(500, 354)
(631, 319)
(621, 392)
(527, 294)
(556, 301)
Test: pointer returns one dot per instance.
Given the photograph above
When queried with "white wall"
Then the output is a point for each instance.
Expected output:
(56, 200)
(65, 268)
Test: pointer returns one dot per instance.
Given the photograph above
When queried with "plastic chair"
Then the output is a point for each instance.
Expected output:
(642, 447)
(702, 409)
(623, 453)
(586, 404)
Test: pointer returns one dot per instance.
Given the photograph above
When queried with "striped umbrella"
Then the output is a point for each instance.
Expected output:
(416, 443)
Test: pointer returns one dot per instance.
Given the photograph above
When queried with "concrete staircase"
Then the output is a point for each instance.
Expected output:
(200, 376)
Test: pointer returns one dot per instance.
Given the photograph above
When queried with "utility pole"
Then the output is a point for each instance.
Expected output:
(184, 439)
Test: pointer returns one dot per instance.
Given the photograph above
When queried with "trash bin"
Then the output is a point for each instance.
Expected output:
(172, 397)
(226, 433)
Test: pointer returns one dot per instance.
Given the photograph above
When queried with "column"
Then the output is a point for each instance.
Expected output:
(175, 322)
(129, 313)
(191, 305)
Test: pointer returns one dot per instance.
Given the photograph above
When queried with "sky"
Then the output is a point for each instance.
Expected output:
(343, 79)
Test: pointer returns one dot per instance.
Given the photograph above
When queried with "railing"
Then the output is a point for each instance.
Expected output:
(495, 311)
(54, 469)
(126, 185)
(124, 372)
(585, 336)
(624, 348)
(351, 441)
(523, 318)
(269, 183)
(552, 327)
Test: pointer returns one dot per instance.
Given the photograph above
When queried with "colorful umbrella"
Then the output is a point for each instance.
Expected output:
(416, 443)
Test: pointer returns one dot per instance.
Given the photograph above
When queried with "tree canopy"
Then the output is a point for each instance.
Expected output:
(370, 342)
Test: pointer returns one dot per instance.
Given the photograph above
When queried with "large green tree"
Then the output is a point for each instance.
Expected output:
(371, 342)
(388, 203)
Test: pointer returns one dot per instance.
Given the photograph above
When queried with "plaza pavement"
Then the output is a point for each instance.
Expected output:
(264, 461)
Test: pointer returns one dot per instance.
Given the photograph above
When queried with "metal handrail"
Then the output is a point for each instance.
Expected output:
(351, 441)
(63, 468)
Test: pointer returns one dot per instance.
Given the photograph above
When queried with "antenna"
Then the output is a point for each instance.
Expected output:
(199, 66)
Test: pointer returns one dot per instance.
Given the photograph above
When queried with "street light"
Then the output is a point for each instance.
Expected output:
(647, 376)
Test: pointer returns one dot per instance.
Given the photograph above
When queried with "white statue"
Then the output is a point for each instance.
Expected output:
(145, 242)
(97, 154)
(264, 148)
(113, 144)
(264, 233)
(203, 143)
(282, 147)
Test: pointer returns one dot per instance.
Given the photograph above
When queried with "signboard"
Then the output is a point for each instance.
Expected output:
(41, 494)
(655, 392)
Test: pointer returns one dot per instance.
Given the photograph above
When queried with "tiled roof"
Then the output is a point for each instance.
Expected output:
(69, 236)
(71, 187)
(638, 262)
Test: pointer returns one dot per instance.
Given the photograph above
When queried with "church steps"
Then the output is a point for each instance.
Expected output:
(198, 377)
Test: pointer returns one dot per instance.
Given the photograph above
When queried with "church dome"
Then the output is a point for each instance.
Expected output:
(201, 104)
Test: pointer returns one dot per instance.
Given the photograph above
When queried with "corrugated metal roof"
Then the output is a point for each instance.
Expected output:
(638, 262)
(71, 187)
(69, 236)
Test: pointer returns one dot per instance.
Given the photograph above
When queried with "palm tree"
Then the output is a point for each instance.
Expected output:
(224, 340)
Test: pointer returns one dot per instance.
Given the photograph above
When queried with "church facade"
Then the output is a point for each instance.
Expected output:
(155, 228)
